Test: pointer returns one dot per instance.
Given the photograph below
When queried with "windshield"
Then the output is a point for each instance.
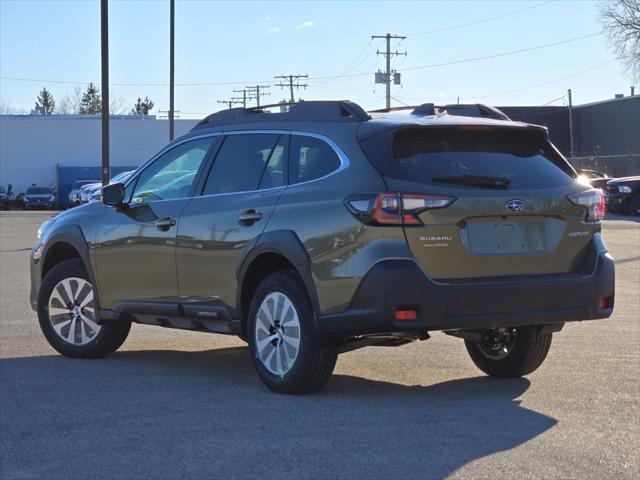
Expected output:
(469, 156)
(79, 183)
(121, 177)
(38, 191)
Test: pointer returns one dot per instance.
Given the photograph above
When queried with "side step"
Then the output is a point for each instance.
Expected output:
(198, 317)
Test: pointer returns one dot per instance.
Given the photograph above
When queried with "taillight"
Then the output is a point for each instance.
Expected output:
(593, 201)
(389, 208)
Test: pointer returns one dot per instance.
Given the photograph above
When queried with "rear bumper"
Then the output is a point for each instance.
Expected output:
(471, 304)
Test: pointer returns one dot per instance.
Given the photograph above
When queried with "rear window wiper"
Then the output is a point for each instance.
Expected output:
(476, 181)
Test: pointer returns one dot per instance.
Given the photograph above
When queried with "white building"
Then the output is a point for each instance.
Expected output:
(33, 146)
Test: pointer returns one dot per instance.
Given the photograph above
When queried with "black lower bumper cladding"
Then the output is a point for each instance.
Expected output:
(472, 304)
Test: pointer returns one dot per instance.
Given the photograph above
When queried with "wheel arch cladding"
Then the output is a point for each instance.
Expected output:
(66, 244)
(58, 252)
(274, 251)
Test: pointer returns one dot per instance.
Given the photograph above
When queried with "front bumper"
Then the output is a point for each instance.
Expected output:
(43, 205)
(473, 304)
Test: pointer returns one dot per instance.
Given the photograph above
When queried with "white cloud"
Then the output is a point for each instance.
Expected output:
(268, 19)
(307, 24)
(273, 30)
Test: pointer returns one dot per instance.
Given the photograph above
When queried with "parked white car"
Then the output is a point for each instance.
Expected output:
(96, 195)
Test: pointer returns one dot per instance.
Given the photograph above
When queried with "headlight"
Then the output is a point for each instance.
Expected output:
(52, 198)
(43, 228)
(624, 189)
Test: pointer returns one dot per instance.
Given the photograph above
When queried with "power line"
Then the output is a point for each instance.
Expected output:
(291, 85)
(542, 84)
(353, 65)
(146, 84)
(257, 91)
(502, 54)
(231, 102)
(268, 83)
(477, 22)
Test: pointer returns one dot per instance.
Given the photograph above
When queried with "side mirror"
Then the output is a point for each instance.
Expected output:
(113, 194)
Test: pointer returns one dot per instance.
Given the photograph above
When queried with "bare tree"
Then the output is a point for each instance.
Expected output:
(620, 20)
(6, 108)
(117, 105)
(70, 103)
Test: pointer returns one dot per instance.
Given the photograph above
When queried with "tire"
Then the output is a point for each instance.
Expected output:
(524, 356)
(634, 205)
(75, 333)
(280, 366)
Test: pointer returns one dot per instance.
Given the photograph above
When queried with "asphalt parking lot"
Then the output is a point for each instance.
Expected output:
(172, 403)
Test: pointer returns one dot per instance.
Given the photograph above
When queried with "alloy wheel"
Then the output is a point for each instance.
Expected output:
(277, 333)
(71, 311)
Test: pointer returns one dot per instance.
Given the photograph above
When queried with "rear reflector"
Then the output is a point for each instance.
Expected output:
(406, 315)
(606, 302)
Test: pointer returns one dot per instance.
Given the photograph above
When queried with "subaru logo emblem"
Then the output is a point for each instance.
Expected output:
(517, 206)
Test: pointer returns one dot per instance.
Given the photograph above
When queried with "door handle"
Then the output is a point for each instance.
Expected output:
(165, 223)
(249, 217)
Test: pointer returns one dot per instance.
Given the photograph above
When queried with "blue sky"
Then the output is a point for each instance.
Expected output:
(244, 42)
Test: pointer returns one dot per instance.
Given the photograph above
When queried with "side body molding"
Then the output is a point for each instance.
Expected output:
(287, 244)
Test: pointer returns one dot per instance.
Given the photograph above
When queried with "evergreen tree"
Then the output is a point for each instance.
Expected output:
(91, 102)
(142, 107)
(45, 100)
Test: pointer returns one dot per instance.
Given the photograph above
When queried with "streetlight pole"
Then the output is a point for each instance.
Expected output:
(172, 11)
(104, 56)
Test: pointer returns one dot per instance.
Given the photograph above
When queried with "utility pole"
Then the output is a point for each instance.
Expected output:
(231, 102)
(244, 97)
(104, 56)
(290, 84)
(388, 54)
(257, 91)
(571, 150)
(172, 65)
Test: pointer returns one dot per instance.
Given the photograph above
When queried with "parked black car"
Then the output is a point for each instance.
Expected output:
(622, 195)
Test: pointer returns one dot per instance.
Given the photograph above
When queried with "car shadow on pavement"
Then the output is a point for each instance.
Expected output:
(162, 414)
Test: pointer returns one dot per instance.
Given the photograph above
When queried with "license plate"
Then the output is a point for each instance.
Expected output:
(499, 237)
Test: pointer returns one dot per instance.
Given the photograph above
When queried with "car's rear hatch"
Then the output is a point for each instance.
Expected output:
(509, 213)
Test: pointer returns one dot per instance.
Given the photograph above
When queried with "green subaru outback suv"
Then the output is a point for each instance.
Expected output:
(324, 229)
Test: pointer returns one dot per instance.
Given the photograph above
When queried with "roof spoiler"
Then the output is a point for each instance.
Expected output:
(310, 111)
(466, 110)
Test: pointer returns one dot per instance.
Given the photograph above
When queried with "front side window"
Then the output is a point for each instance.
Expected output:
(247, 162)
(173, 174)
(310, 158)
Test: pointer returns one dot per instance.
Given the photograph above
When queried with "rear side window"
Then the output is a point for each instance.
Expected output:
(310, 158)
(247, 162)
(424, 154)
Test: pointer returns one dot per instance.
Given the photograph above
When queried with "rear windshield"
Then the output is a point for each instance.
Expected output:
(422, 154)
(38, 190)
